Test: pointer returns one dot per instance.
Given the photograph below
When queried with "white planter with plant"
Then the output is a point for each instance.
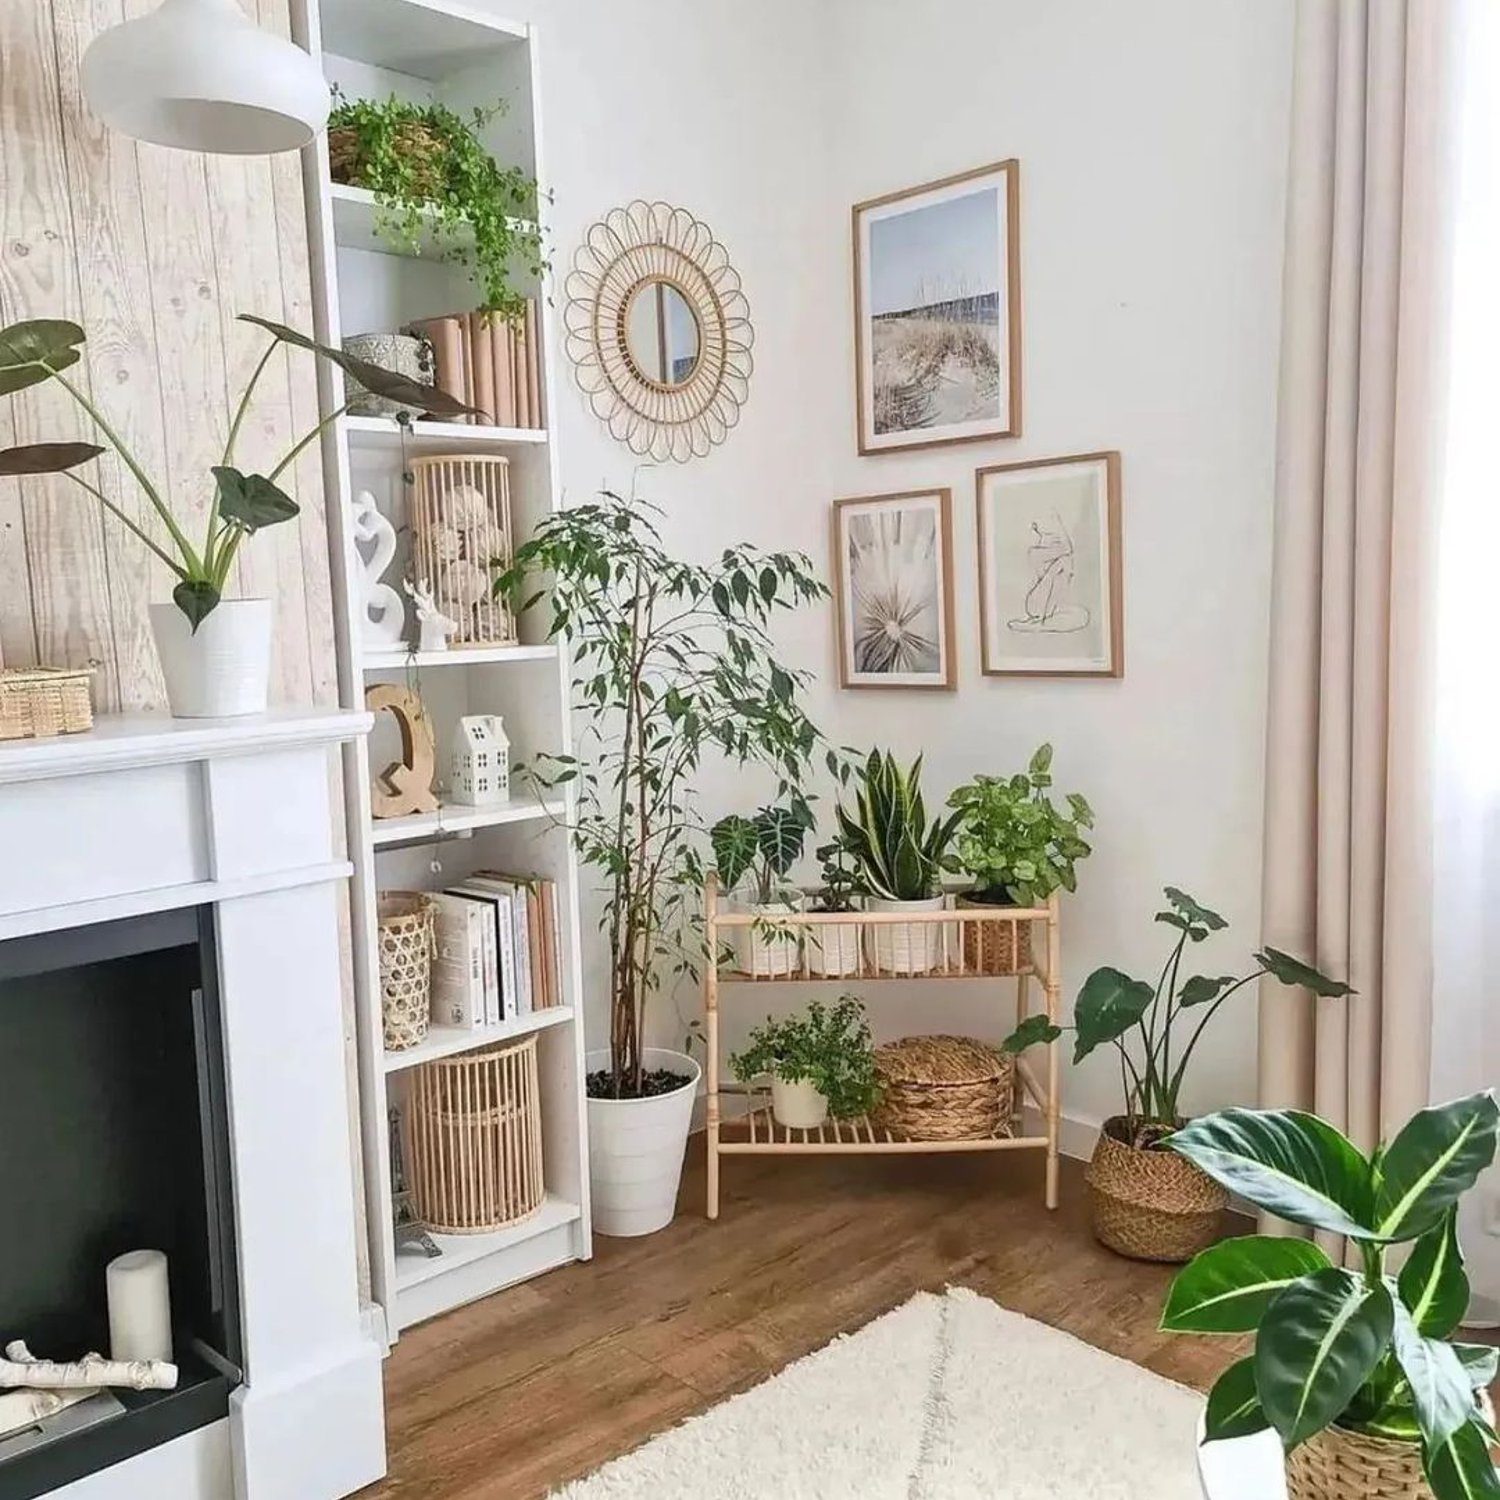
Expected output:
(215, 654)
(900, 860)
(820, 1063)
(666, 656)
(764, 849)
(833, 948)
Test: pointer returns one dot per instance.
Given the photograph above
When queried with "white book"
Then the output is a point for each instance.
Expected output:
(458, 962)
(484, 903)
(520, 920)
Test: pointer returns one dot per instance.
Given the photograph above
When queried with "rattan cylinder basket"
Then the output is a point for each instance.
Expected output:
(1336, 1464)
(1151, 1205)
(944, 1088)
(38, 702)
(998, 947)
(474, 1139)
(404, 919)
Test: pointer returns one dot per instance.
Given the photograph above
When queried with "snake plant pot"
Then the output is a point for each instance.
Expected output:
(636, 1148)
(906, 948)
(833, 948)
(222, 670)
(798, 1106)
(1150, 1204)
(762, 950)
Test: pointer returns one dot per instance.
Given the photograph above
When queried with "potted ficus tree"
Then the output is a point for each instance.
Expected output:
(764, 848)
(820, 1063)
(215, 653)
(1018, 846)
(1149, 1202)
(900, 857)
(833, 948)
(1353, 1365)
(673, 662)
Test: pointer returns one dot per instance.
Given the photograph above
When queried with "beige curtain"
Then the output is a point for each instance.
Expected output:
(1348, 827)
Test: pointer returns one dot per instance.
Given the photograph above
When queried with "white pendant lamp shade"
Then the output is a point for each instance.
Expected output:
(199, 75)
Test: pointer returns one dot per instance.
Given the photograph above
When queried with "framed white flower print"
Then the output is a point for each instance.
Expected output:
(893, 590)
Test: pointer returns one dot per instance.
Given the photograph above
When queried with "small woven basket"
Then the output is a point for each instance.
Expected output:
(998, 947)
(944, 1088)
(1151, 1205)
(38, 702)
(415, 143)
(405, 922)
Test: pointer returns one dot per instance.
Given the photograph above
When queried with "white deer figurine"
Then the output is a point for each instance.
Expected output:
(435, 626)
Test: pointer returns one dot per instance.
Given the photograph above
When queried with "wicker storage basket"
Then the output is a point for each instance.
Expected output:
(416, 143)
(474, 1139)
(1151, 1205)
(38, 702)
(999, 947)
(405, 922)
(1339, 1465)
(944, 1088)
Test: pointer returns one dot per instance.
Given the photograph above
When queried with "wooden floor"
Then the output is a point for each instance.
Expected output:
(509, 1397)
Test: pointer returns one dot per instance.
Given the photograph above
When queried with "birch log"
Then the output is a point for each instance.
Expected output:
(22, 1409)
(22, 1369)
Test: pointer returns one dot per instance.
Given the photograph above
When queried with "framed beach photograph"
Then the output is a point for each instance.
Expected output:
(1050, 601)
(893, 590)
(937, 312)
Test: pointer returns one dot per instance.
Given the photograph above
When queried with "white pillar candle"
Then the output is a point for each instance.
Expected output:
(140, 1306)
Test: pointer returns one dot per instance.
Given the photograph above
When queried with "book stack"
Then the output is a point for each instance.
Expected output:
(489, 363)
(498, 953)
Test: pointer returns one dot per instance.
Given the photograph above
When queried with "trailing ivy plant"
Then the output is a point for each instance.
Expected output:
(240, 504)
(673, 662)
(1141, 1020)
(1361, 1349)
(765, 847)
(829, 1049)
(432, 177)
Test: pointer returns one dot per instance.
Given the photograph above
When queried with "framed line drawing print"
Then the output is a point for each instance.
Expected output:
(1050, 591)
(893, 590)
(937, 312)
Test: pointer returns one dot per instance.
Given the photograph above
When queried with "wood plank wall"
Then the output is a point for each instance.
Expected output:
(154, 252)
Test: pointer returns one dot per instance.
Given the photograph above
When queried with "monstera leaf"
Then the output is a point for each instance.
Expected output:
(34, 351)
(47, 458)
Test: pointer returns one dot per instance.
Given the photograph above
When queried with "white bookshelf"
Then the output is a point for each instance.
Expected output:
(417, 49)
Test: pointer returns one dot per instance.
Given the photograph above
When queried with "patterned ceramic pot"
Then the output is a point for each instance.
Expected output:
(401, 354)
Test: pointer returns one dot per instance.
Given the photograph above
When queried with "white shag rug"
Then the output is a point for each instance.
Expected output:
(947, 1398)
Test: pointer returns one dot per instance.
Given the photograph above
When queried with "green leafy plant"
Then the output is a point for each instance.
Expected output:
(900, 855)
(431, 175)
(1360, 1349)
(765, 847)
(673, 660)
(241, 504)
(828, 1048)
(1140, 1019)
(1016, 844)
(840, 889)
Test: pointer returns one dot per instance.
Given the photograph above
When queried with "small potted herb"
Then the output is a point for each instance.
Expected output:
(1018, 847)
(820, 1063)
(763, 849)
(833, 948)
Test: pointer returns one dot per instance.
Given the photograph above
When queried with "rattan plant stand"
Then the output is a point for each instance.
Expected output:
(756, 1132)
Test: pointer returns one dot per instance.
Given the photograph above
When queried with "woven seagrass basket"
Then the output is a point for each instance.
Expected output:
(404, 919)
(999, 947)
(415, 143)
(1151, 1205)
(38, 702)
(944, 1088)
(1336, 1464)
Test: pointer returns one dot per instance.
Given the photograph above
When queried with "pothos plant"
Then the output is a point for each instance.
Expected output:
(432, 176)
(673, 662)
(1141, 1020)
(764, 846)
(239, 504)
(1359, 1348)
(828, 1048)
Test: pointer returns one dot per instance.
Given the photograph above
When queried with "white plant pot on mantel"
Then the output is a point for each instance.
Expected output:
(902, 948)
(222, 670)
(799, 1105)
(636, 1147)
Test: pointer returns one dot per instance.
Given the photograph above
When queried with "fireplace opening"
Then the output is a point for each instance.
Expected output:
(114, 1138)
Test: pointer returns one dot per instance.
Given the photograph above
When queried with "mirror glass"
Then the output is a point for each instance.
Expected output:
(661, 330)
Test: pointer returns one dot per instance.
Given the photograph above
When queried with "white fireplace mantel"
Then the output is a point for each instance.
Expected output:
(145, 814)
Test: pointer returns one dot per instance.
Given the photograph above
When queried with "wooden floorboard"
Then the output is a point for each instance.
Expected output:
(507, 1398)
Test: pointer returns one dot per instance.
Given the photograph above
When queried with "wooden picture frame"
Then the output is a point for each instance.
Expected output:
(893, 590)
(939, 253)
(1050, 567)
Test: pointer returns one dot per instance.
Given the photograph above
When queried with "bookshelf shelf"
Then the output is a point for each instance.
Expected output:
(460, 819)
(436, 437)
(449, 1041)
(355, 218)
(456, 656)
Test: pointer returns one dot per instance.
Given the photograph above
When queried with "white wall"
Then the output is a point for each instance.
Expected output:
(1152, 142)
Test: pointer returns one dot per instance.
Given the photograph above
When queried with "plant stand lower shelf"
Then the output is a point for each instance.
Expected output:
(955, 943)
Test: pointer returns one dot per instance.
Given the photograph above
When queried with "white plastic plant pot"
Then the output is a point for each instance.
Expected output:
(636, 1147)
(907, 948)
(768, 949)
(833, 948)
(222, 670)
(797, 1106)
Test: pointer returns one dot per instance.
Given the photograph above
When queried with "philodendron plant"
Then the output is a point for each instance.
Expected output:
(1140, 1019)
(765, 847)
(901, 856)
(240, 505)
(1361, 1349)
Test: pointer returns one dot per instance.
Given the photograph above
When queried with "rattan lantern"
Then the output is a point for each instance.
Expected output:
(479, 762)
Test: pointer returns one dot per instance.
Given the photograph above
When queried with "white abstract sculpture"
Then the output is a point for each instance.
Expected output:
(479, 762)
(382, 609)
(435, 626)
(21, 1368)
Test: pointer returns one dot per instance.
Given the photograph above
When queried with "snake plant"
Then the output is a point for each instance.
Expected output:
(1363, 1349)
(901, 855)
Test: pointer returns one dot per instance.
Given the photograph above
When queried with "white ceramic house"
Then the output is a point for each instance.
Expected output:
(479, 761)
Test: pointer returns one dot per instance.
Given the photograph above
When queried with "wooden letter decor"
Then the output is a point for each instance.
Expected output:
(405, 787)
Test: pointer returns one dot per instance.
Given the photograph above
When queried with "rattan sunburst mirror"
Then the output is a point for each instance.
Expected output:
(658, 330)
